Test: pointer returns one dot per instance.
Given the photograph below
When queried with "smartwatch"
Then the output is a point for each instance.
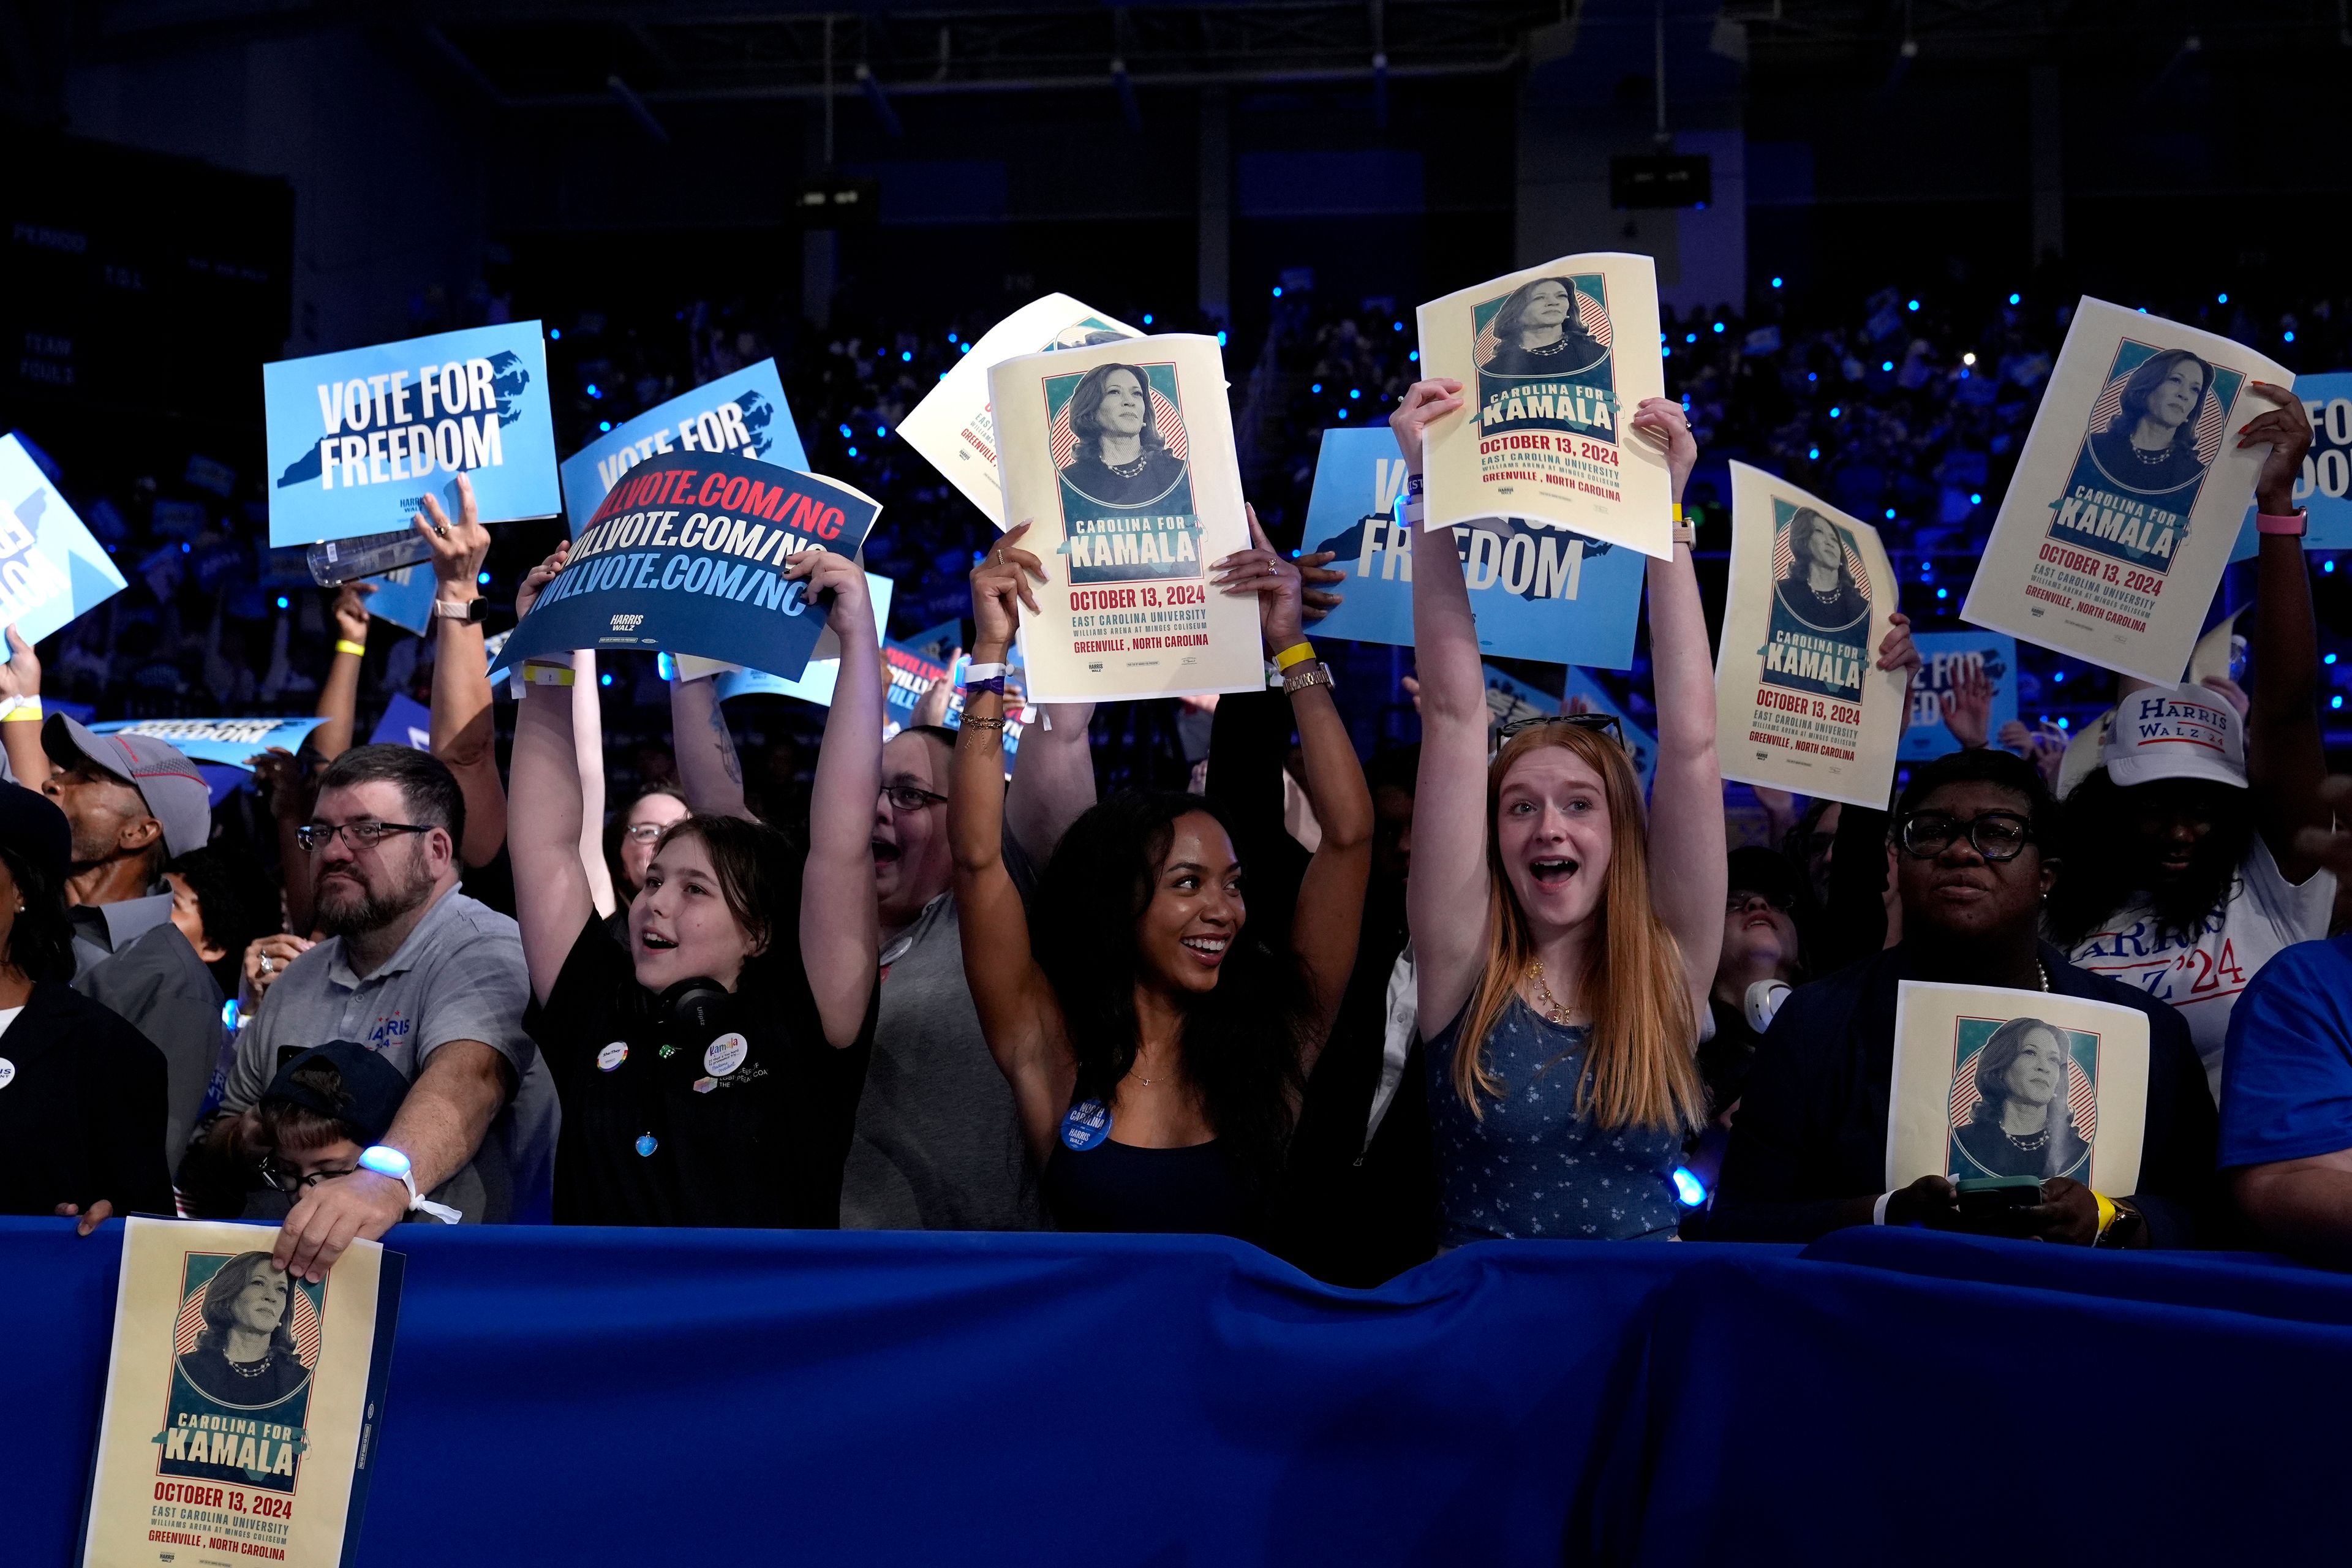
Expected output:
(473, 612)
(386, 1160)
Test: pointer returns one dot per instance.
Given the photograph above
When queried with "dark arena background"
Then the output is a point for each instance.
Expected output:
(1871, 223)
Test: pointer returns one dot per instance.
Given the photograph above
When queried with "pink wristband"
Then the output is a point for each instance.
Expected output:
(2294, 523)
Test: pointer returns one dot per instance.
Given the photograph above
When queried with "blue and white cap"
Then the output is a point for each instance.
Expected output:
(2175, 732)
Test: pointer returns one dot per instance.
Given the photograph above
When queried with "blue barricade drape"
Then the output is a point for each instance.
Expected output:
(591, 1397)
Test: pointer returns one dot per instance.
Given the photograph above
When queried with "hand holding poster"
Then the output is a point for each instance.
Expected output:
(1801, 703)
(51, 568)
(1993, 1082)
(1552, 361)
(953, 427)
(1951, 662)
(1538, 592)
(243, 1403)
(2128, 496)
(1121, 457)
(686, 554)
(357, 438)
(745, 414)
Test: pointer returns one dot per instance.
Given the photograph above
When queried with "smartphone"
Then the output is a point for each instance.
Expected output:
(1984, 1198)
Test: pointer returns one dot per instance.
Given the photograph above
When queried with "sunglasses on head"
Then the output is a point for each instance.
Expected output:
(1607, 723)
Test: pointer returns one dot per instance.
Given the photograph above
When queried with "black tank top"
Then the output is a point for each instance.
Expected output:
(1119, 1187)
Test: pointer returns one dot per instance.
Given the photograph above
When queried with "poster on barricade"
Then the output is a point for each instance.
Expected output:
(2129, 495)
(685, 555)
(243, 1403)
(358, 439)
(1120, 459)
(1799, 701)
(954, 427)
(2324, 489)
(1945, 659)
(52, 569)
(1538, 592)
(745, 414)
(1994, 1082)
(1553, 359)
(229, 741)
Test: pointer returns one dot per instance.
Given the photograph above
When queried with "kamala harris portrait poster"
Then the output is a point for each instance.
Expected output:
(1994, 1082)
(1121, 457)
(242, 1401)
(1552, 361)
(2129, 495)
(1799, 701)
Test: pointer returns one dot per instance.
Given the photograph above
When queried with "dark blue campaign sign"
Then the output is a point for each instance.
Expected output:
(687, 555)
(1538, 592)
(2324, 489)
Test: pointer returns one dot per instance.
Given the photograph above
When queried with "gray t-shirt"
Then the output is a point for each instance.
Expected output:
(938, 1139)
(459, 976)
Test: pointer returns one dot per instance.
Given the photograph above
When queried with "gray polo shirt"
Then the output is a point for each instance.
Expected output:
(101, 931)
(459, 976)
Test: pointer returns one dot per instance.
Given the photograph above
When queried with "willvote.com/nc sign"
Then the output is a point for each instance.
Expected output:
(686, 554)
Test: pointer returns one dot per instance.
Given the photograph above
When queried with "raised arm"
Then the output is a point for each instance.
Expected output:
(588, 747)
(1688, 871)
(1445, 899)
(1018, 1013)
(465, 737)
(339, 696)
(1052, 779)
(839, 939)
(20, 723)
(708, 769)
(551, 897)
(1328, 917)
(2285, 757)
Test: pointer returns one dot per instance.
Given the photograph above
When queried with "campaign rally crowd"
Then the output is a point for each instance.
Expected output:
(1355, 1010)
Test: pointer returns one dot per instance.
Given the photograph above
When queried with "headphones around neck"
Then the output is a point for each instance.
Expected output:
(699, 1009)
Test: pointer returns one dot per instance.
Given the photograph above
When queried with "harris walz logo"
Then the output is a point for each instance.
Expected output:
(244, 1345)
(1126, 478)
(2153, 435)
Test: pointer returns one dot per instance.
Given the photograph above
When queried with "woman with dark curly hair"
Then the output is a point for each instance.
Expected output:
(245, 1355)
(1820, 590)
(2150, 446)
(2021, 1125)
(1539, 331)
(1122, 458)
(1157, 1042)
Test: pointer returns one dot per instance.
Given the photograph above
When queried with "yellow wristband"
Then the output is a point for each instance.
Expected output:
(356, 650)
(22, 709)
(539, 674)
(1678, 511)
(1297, 653)
(2107, 1211)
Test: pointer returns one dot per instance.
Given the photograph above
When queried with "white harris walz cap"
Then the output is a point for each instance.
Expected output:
(2175, 732)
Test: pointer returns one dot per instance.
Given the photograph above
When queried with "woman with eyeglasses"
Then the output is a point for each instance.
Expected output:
(629, 844)
(1807, 1151)
(711, 1078)
(1156, 1038)
(1565, 939)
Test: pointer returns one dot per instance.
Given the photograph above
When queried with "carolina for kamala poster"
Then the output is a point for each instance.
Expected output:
(2129, 495)
(1800, 703)
(1121, 457)
(1552, 361)
(242, 1402)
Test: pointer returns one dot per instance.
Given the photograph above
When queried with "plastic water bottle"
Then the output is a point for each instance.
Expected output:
(336, 561)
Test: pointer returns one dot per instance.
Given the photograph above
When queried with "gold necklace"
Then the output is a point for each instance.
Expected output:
(1552, 1008)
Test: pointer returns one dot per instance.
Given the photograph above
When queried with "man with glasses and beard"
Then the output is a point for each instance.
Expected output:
(431, 981)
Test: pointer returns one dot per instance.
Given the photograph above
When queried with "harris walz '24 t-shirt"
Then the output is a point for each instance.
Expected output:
(662, 1127)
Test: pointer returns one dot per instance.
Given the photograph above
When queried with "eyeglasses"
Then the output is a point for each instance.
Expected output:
(293, 1183)
(316, 835)
(1739, 901)
(907, 797)
(1605, 722)
(1995, 834)
(646, 832)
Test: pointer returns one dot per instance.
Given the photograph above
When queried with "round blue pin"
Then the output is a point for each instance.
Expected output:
(1085, 1124)
(647, 1143)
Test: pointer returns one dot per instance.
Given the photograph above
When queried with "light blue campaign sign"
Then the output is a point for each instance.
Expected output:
(404, 597)
(2324, 490)
(1586, 695)
(687, 555)
(406, 723)
(230, 742)
(1538, 592)
(816, 681)
(1944, 658)
(358, 439)
(51, 568)
(745, 414)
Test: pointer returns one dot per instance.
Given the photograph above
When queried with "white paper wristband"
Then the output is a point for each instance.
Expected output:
(1878, 1209)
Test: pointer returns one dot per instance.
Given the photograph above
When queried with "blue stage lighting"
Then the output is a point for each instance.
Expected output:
(1688, 1189)
(1776, 282)
(2012, 299)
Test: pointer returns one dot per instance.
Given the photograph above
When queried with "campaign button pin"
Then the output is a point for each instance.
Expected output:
(705, 1085)
(725, 1055)
(1086, 1124)
(8, 1072)
(647, 1143)
(612, 1055)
